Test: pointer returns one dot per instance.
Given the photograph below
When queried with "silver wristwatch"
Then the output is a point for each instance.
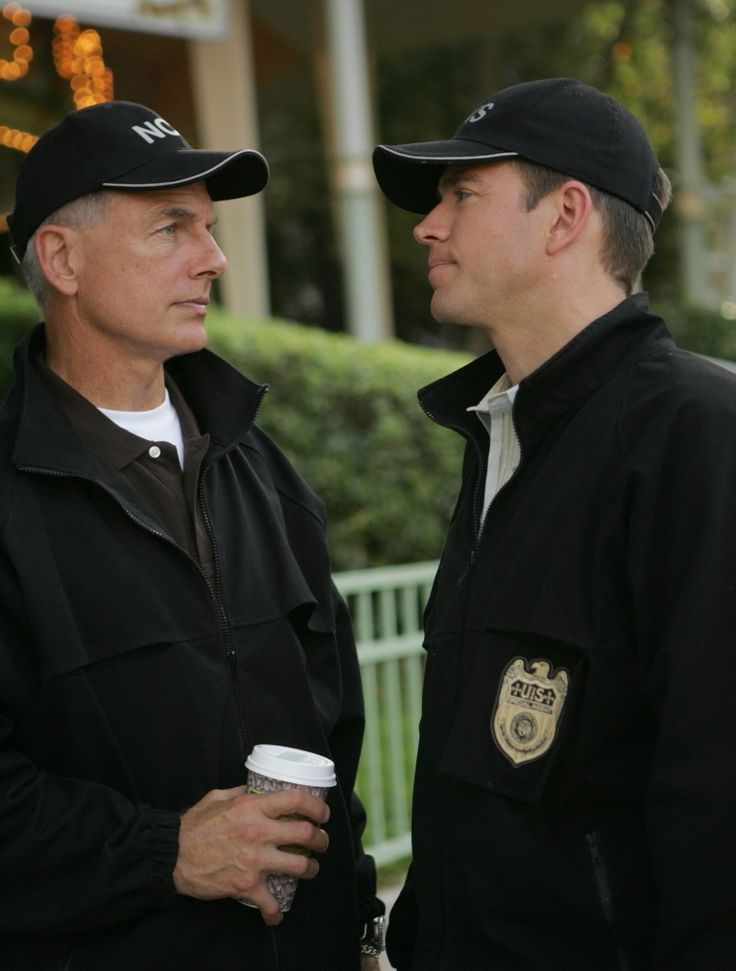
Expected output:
(372, 940)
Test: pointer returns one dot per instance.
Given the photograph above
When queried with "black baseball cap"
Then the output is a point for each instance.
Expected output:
(120, 145)
(560, 123)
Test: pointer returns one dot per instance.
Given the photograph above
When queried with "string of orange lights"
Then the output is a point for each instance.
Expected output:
(77, 58)
(20, 18)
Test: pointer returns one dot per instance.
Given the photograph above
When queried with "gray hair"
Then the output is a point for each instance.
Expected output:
(81, 213)
(628, 242)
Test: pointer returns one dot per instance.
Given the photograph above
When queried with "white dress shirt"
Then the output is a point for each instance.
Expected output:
(494, 411)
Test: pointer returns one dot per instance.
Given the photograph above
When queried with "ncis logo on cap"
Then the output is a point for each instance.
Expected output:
(479, 113)
(120, 145)
(158, 128)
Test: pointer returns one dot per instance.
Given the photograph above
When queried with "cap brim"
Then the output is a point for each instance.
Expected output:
(228, 175)
(408, 174)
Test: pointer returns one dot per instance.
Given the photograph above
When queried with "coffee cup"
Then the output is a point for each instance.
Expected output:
(272, 768)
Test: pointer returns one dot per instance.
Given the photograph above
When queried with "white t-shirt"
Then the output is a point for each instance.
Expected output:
(160, 424)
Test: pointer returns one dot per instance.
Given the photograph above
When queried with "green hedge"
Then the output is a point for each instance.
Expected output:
(17, 313)
(346, 414)
(701, 331)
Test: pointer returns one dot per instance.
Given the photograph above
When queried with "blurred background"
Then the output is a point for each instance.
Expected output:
(316, 83)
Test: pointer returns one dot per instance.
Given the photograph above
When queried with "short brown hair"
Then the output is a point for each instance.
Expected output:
(628, 242)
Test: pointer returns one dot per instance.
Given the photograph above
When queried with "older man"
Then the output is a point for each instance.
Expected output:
(165, 594)
(575, 794)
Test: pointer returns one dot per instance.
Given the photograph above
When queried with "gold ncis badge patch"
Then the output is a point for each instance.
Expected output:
(528, 709)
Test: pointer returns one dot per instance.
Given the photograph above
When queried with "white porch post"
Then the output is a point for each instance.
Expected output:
(690, 197)
(362, 229)
(223, 80)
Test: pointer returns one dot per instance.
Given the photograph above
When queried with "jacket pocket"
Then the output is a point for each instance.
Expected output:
(513, 712)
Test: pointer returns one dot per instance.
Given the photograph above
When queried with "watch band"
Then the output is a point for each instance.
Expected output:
(372, 940)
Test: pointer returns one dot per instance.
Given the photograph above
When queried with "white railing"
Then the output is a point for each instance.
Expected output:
(386, 606)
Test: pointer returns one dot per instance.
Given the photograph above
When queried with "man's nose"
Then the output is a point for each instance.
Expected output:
(432, 227)
(214, 261)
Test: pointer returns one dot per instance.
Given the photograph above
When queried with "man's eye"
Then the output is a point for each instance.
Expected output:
(461, 194)
(168, 230)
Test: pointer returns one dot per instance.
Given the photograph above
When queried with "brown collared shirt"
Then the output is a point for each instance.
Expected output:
(152, 469)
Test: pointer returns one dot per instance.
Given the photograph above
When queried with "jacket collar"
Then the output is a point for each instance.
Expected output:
(223, 401)
(609, 344)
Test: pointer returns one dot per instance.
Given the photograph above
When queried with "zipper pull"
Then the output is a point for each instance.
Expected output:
(468, 568)
(233, 661)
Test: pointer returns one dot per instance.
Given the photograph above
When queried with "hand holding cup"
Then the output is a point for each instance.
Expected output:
(232, 840)
(273, 768)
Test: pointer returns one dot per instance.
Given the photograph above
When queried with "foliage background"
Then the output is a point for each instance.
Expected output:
(348, 417)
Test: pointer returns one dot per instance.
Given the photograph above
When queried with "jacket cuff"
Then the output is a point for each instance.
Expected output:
(369, 905)
(163, 850)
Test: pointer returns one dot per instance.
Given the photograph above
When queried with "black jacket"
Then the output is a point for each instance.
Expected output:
(575, 792)
(130, 687)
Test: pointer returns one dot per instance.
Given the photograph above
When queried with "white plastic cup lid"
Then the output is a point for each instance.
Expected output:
(292, 765)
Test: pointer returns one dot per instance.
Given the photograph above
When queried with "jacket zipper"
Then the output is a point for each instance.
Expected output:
(605, 897)
(276, 943)
(214, 590)
(476, 490)
(478, 522)
(224, 621)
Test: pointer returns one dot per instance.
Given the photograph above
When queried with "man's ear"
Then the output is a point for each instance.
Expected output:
(573, 207)
(56, 252)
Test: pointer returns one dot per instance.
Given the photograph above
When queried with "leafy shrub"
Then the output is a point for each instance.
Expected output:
(18, 312)
(701, 330)
(346, 413)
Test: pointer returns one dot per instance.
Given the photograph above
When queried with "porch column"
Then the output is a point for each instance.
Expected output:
(362, 229)
(224, 85)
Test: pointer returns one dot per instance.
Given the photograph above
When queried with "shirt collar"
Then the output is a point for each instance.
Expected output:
(500, 398)
(604, 348)
(115, 445)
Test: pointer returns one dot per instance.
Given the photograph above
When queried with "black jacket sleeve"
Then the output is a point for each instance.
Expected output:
(74, 855)
(402, 927)
(345, 744)
(681, 555)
